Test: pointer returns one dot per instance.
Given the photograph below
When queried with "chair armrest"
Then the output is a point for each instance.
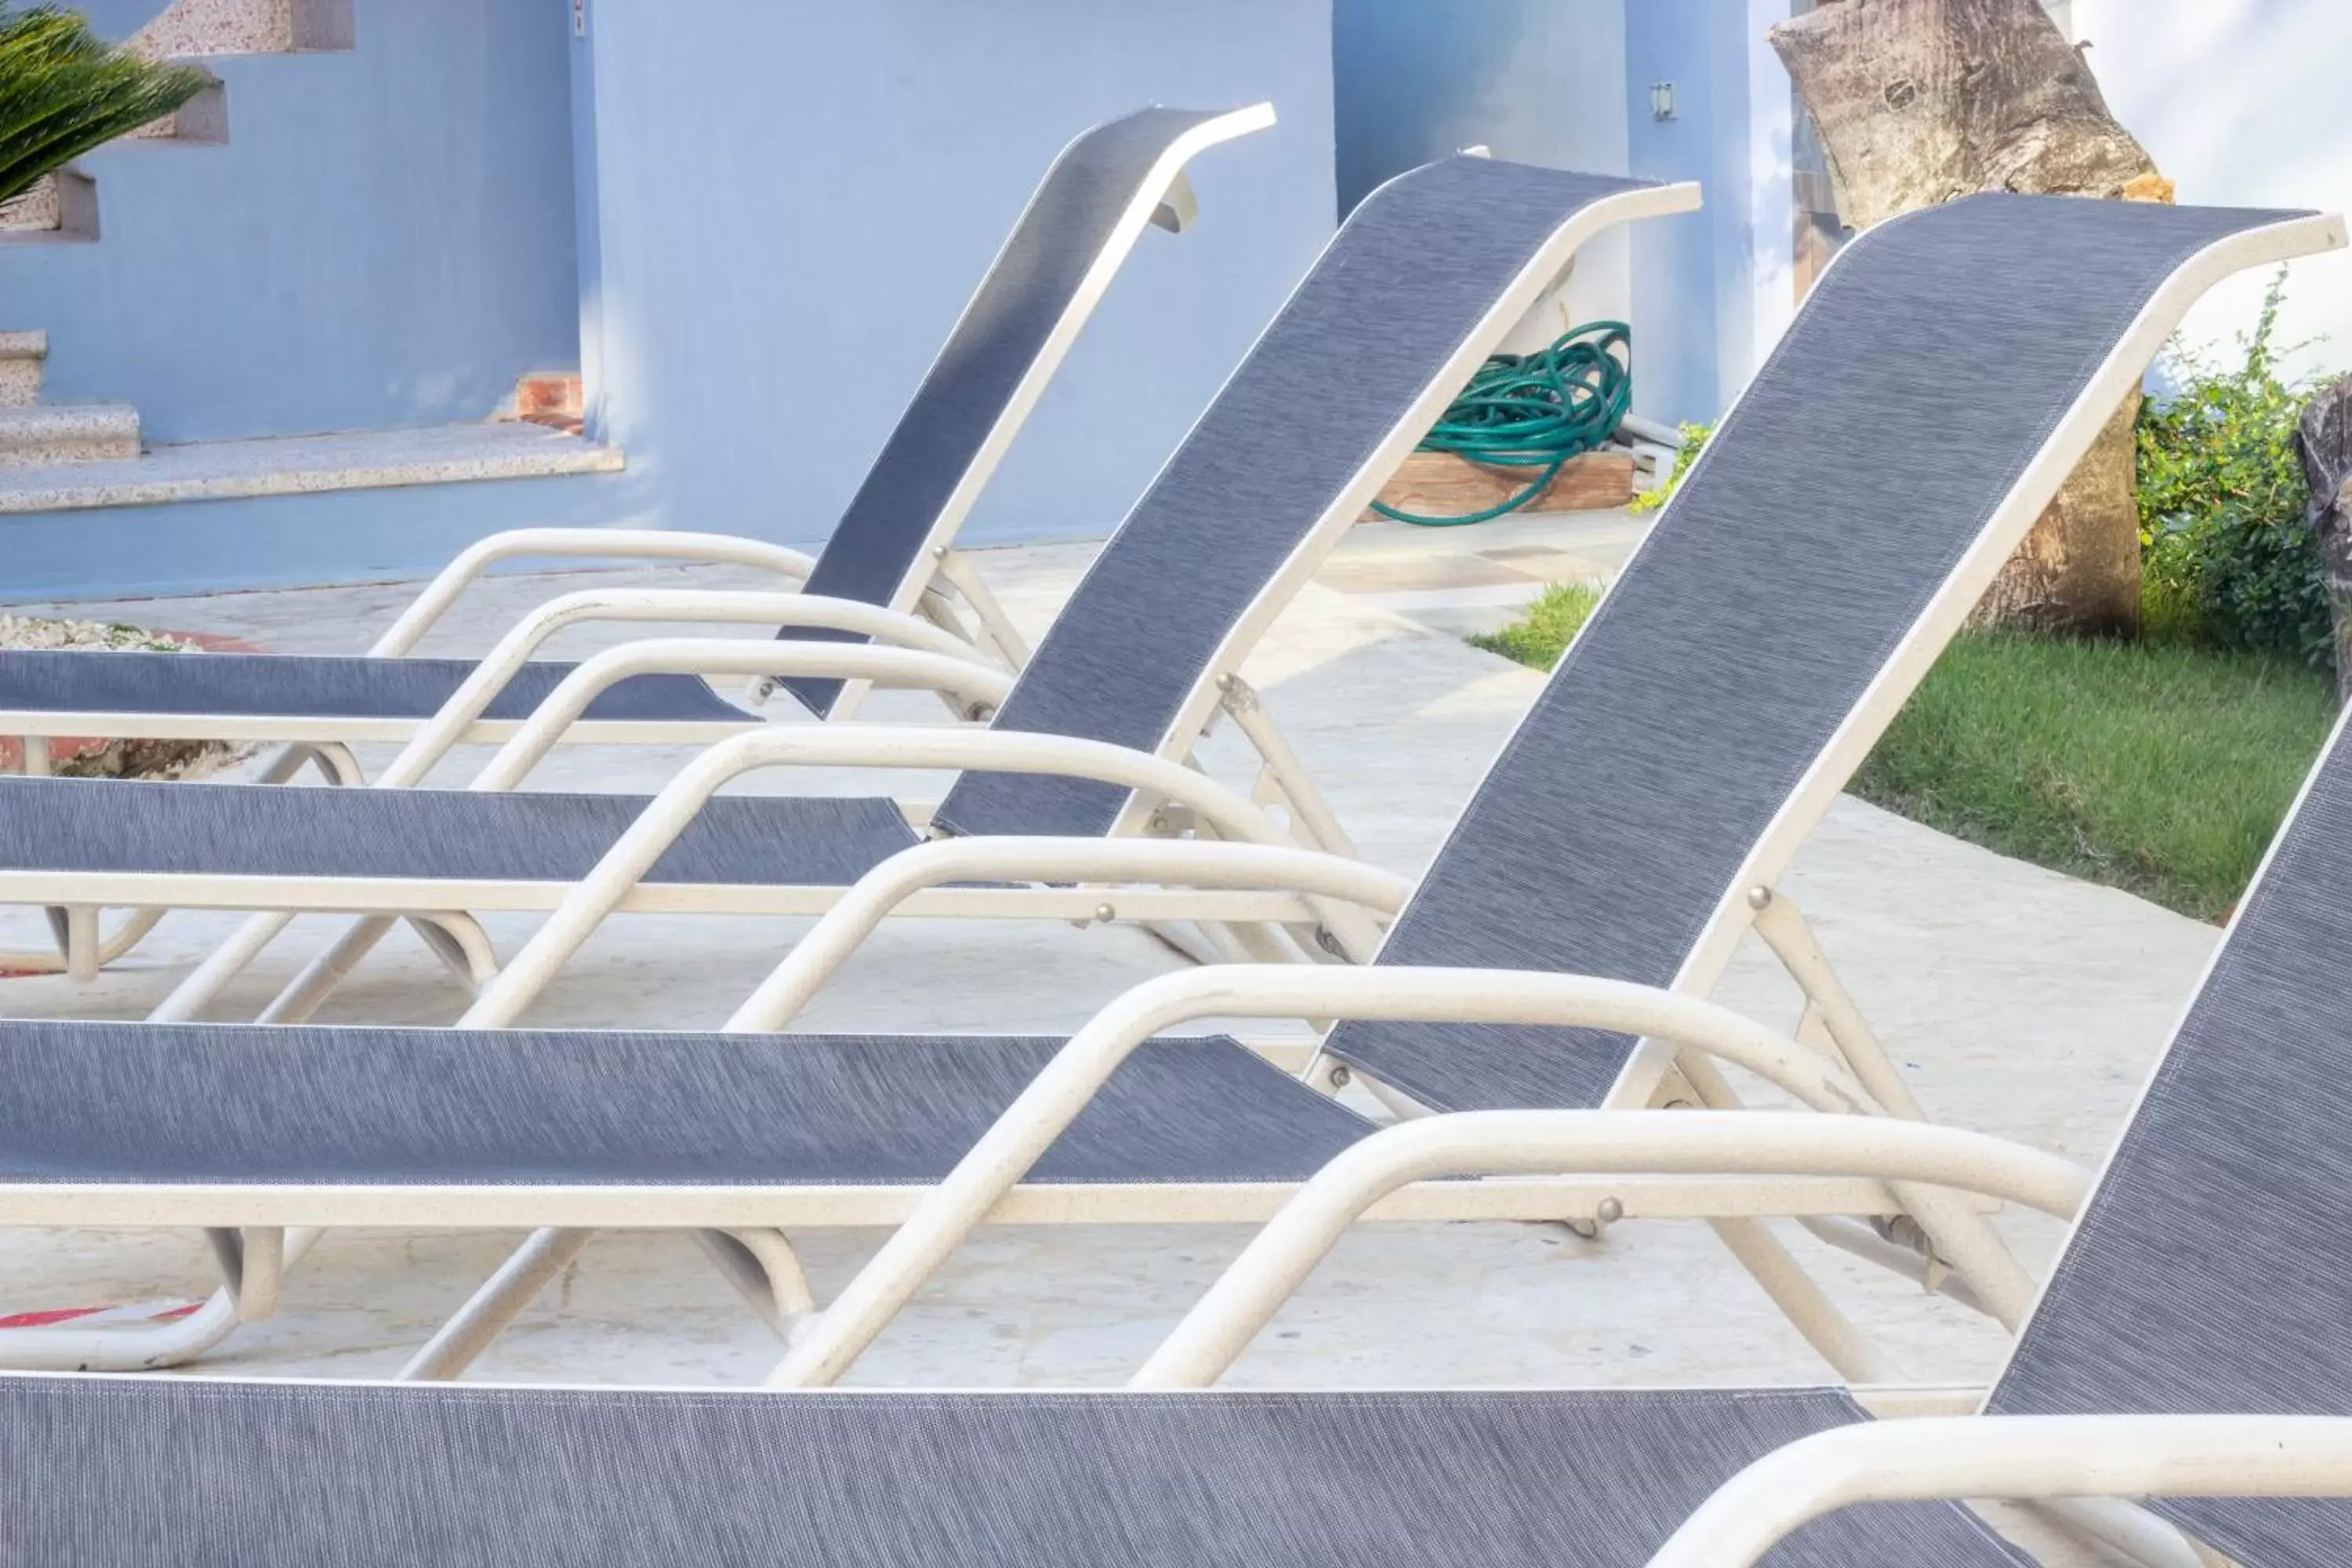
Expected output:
(1185, 862)
(606, 543)
(977, 686)
(950, 1212)
(1585, 1142)
(475, 694)
(2017, 1458)
(856, 746)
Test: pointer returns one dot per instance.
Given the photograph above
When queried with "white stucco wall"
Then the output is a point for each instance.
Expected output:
(2241, 102)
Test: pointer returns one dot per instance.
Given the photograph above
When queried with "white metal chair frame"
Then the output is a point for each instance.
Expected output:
(1677, 1063)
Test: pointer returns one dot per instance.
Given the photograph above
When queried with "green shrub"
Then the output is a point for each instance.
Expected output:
(2229, 558)
(65, 91)
(1694, 441)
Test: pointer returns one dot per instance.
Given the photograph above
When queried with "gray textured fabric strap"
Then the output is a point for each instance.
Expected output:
(152, 1104)
(1029, 292)
(197, 1473)
(73, 680)
(1827, 512)
(1403, 286)
(76, 824)
(2207, 1273)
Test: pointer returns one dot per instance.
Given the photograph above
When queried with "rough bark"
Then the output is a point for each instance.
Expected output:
(1917, 101)
(2323, 439)
(1921, 100)
(2079, 568)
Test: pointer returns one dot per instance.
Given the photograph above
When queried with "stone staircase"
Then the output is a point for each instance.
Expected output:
(69, 457)
(64, 206)
(34, 434)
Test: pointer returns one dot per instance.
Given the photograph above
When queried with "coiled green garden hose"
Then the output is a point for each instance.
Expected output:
(1535, 412)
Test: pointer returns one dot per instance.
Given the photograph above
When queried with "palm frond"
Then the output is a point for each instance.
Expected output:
(65, 91)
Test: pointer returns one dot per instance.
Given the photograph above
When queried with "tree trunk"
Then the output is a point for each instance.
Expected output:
(2078, 569)
(1917, 101)
(2323, 439)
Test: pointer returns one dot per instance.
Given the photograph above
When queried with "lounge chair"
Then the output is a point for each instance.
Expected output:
(1584, 871)
(890, 568)
(2202, 1276)
(1418, 287)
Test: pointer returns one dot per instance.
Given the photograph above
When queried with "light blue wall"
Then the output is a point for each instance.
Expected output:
(754, 222)
(386, 239)
(1692, 273)
(345, 536)
(1540, 81)
(794, 200)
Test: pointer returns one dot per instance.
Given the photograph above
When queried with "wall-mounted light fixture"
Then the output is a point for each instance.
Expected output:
(1662, 100)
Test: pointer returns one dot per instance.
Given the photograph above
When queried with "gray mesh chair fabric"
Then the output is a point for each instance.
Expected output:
(2208, 1272)
(70, 825)
(242, 1104)
(1030, 290)
(1403, 285)
(171, 1473)
(253, 685)
(1827, 512)
(1028, 293)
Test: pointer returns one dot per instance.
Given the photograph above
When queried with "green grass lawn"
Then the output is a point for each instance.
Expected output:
(1545, 627)
(2157, 767)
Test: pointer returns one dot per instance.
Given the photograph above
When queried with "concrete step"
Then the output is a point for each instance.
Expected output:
(194, 27)
(21, 356)
(50, 434)
(202, 121)
(303, 464)
(62, 206)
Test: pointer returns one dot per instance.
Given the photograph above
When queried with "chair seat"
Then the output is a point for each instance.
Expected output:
(237, 1103)
(76, 825)
(269, 685)
(142, 1473)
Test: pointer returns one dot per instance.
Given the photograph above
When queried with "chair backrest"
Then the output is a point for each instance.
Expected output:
(1078, 228)
(2208, 1271)
(1411, 294)
(1854, 503)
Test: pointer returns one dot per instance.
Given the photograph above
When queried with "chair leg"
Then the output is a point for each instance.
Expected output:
(762, 1265)
(111, 945)
(221, 965)
(1784, 929)
(1313, 820)
(120, 1348)
(1833, 1334)
(502, 1297)
(999, 636)
(70, 1349)
(1836, 1337)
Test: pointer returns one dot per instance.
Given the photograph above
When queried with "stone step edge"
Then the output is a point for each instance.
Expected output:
(303, 465)
(51, 433)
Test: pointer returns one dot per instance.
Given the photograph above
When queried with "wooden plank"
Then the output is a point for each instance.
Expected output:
(1439, 484)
